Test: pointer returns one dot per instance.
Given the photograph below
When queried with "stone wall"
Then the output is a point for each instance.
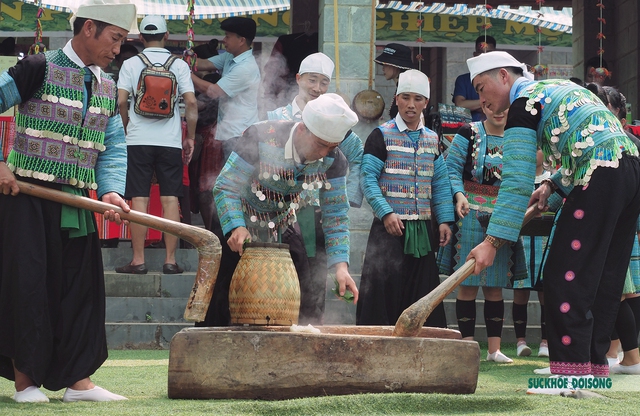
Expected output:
(354, 43)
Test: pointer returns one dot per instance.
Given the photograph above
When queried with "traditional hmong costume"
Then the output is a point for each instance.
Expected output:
(626, 328)
(260, 188)
(351, 147)
(52, 299)
(402, 173)
(634, 266)
(535, 250)
(600, 176)
(536, 246)
(474, 164)
(309, 217)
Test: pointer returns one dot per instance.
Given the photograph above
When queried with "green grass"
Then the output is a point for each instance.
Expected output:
(142, 377)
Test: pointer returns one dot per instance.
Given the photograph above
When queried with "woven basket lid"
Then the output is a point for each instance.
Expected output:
(267, 245)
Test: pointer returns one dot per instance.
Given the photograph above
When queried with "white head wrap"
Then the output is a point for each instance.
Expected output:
(121, 13)
(414, 81)
(329, 117)
(318, 63)
(492, 60)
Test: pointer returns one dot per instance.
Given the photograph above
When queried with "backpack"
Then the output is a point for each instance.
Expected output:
(157, 89)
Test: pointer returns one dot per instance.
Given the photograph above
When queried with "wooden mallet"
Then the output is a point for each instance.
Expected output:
(207, 244)
(412, 319)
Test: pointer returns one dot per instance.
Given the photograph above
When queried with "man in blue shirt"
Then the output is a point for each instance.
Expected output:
(463, 94)
(237, 90)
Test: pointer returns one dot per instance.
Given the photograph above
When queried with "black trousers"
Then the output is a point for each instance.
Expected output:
(52, 296)
(392, 281)
(585, 271)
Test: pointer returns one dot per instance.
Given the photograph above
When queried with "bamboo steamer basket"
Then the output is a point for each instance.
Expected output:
(264, 287)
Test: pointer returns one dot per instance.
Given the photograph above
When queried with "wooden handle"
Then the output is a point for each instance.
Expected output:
(207, 244)
(412, 319)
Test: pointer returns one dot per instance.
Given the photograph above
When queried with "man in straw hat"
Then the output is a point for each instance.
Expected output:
(406, 183)
(68, 137)
(598, 173)
(259, 190)
(313, 80)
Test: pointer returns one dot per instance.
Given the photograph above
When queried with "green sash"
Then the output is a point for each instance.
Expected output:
(77, 221)
(306, 218)
(416, 238)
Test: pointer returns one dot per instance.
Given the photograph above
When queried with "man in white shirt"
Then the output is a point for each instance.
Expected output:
(155, 144)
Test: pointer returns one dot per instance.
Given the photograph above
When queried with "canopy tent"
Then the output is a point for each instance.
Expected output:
(546, 17)
(177, 9)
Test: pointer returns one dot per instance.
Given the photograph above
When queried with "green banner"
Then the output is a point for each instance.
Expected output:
(401, 26)
(16, 16)
(267, 25)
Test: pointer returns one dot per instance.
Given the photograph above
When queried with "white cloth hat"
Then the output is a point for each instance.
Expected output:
(318, 63)
(153, 25)
(414, 81)
(492, 60)
(121, 13)
(329, 117)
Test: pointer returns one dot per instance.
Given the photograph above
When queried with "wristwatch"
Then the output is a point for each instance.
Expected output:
(494, 241)
(551, 184)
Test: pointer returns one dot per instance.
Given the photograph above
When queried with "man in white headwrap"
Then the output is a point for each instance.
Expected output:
(69, 136)
(259, 191)
(313, 80)
(598, 173)
(406, 183)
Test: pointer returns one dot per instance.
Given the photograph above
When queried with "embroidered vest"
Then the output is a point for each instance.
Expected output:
(54, 142)
(277, 184)
(580, 139)
(486, 155)
(283, 113)
(406, 178)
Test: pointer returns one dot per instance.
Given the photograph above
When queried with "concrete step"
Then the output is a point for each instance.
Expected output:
(145, 311)
(152, 284)
(157, 335)
(154, 258)
(338, 312)
(142, 335)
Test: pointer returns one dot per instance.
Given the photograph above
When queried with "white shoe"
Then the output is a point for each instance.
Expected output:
(31, 394)
(523, 350)
(499, 357)
(543, 351)
(612, 362)
(553, 392)
(96, 394)
(624, 369)
(544, 371)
